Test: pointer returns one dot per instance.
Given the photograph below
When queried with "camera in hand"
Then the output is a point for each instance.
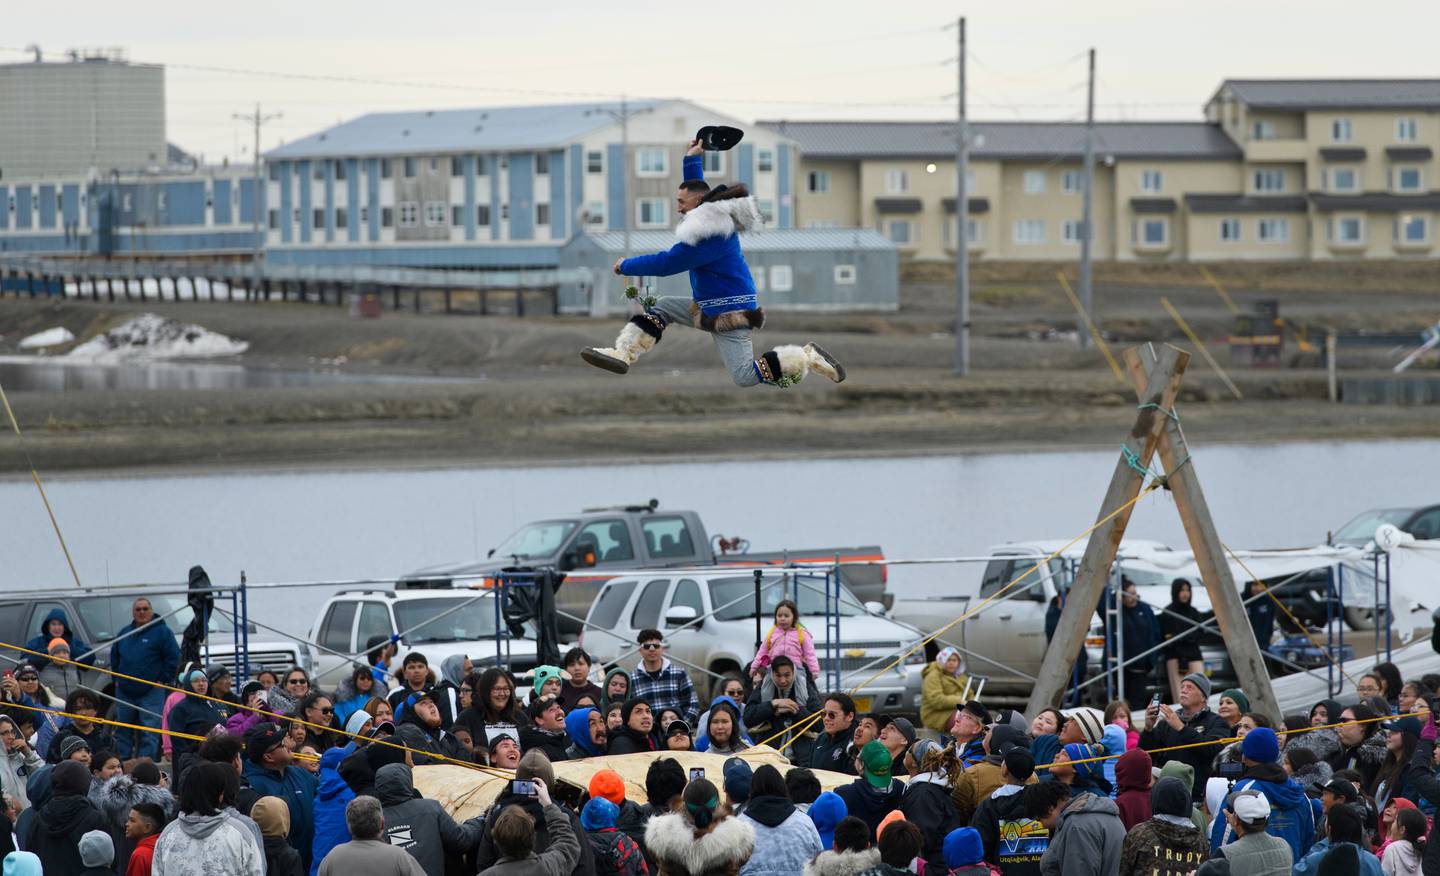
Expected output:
(1230, 770)
(522, 788)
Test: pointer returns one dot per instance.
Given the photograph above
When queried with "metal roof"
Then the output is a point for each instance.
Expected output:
(771, 240)
(1300, 94)
(1008, 140)
(482, 129)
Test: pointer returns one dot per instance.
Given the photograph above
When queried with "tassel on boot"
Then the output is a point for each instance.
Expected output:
(639, 335)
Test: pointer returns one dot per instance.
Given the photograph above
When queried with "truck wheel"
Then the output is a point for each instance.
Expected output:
(1360, 618)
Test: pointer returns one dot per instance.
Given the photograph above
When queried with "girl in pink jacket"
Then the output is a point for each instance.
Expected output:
(787, 637)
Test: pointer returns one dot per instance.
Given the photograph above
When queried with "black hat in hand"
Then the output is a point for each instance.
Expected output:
(718, 138)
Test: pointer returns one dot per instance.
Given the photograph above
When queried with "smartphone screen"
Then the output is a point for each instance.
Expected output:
(522, 787)
(697, 773)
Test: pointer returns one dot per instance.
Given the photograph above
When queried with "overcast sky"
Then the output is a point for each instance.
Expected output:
(1157, 59)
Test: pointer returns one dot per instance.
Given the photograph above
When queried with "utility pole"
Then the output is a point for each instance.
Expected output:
(257, 198)
(962, 217)
(1086, 294)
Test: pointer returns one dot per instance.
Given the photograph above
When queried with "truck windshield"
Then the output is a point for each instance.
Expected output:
(1361, 529)
(105, 616)
(809, 595)
(534, 540)
(472, 619)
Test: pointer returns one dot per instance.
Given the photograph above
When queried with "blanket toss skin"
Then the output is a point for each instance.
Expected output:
(723, 300)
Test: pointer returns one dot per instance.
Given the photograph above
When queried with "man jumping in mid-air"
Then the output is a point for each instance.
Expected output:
(723, 293)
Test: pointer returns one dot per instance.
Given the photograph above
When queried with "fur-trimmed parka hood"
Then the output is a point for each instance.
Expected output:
(120, 793)
(833, 863)
(719, 219)
(680, 850)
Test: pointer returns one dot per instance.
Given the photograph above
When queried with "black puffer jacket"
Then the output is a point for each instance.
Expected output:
(54, 834)
(1422, 778)
(1203, 726)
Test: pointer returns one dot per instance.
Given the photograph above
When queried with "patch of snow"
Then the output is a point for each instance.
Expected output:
(49, 338)
(150, 336)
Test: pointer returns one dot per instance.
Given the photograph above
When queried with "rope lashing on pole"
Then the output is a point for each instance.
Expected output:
(980, 606)
(270, 716)
(1230, 739)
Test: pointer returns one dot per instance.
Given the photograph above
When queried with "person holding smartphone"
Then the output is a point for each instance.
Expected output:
(514, 835)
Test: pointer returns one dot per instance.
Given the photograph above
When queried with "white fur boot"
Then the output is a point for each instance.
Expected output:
(633, 342)
(795, 362)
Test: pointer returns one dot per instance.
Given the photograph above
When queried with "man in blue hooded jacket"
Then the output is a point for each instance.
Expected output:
(722, 288)
(150, 654)
(1291, 817)
(57, 626)
(270, 771)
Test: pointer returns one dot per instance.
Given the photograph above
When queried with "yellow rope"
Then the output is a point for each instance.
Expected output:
(1231, 739)
(980, 606)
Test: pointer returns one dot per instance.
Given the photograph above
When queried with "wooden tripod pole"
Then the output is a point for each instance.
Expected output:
(1162, 385)
(1184, 483)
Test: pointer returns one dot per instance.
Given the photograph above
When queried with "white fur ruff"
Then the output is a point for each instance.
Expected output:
(719, 219)
(795, 362)
(630, 345)
(670, 838)
(833, 863)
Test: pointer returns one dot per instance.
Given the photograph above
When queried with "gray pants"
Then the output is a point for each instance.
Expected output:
(734, 346)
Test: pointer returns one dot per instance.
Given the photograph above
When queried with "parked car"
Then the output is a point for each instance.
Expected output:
(709, 623)
(1006, 642)
(1423, 522)
(437, 624)
(97, 616)
(632, 537)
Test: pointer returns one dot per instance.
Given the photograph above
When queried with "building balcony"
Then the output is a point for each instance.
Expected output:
(1277, 150)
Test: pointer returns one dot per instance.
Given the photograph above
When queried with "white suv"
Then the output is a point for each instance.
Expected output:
(437, 623)
(708, 619)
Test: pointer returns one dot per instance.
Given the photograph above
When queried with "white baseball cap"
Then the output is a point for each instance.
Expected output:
(1250, 808)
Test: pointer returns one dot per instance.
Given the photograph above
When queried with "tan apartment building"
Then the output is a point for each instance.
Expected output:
(1279, 170)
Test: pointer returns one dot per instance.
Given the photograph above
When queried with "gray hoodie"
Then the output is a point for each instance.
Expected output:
(16, 768)
(1088, 839)
(419, 826)
(196, 845)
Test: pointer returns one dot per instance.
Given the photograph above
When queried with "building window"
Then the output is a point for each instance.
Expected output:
(317, 219)
(505, 212)
(435, 214)
(764, 161)
(342, 218)
(1273, 230)
(409, 168)
(482, 215)
(782, 279)
(898, 230)
(457, 215)
(542, 214)
(480, 166)
(1153, 232)
(1340, 130)
(1072, 182)
(1406, 130)
(972, 230)
(409, 214)
(757, 276)
(1262, 129)
(714, 162)
(897, 182)
(594, 162)
(542, 164)
(432, 166)
(817, 182)
(1343, 179)
(162, 201)
(295, 216)
(1347, 229)
(595, 213)
(1072, 231)
(318, 169)
(274, 220)
(457, 165)
(1269, 180)
(1152, 181)
(364, 215)
(340, 170)
(387, 217)
(845, 275)
(1029, 231)
(1407, 179)
(126, 202)
(384, 168)
(1412, 229)
(650, 161)
(274, 173)
(652, 212)
(767, 210)
(1230, 230)
(1034, 181)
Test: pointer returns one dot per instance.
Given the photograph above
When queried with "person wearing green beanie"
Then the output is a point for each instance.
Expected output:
(553, 676)
(1233, 705)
